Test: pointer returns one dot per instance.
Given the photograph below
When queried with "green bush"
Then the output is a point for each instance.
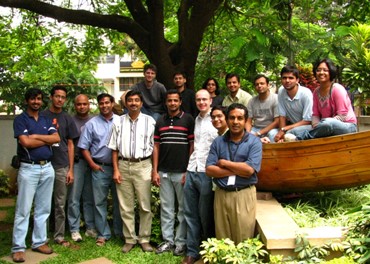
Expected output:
(4, 184)
(225, 251)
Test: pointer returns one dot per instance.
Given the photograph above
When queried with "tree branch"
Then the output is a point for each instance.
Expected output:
(82, 17)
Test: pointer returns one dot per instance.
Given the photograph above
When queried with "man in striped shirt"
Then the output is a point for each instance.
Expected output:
(132, 143)
(173, 145)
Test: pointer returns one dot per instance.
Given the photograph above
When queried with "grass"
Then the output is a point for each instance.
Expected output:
(310, 210)
(87, 250)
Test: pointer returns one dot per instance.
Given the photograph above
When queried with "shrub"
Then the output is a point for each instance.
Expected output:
(225, 251)
(4, 184)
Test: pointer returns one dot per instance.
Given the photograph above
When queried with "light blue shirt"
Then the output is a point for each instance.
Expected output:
(95, 136)
(296, 109)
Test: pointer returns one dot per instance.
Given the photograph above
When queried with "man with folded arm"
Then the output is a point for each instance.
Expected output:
(35, 134)
(234, 160)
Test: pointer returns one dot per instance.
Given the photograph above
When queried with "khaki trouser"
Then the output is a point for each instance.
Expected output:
(235, 214)
(136, 179)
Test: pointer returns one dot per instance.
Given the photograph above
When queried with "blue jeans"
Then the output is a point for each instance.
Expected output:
(329, 127)
(81, 187)
(300, 130)
(170, 189)
(35, 184)
(198, 210)
(271, 134)
(102, 182)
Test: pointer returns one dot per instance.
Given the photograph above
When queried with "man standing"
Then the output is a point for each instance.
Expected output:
(173, 144)
(263, 113)
(35, 134)
(236, 94)
(132, 140)
(154, 93)
(187, 95)
(233, 161)
(198, 194)
(63, 158)
(99, 157)
(295, 105)
(82, 186)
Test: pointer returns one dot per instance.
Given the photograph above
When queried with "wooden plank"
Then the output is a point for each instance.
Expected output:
(278, 230)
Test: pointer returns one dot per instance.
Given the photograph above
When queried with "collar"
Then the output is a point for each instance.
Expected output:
(227, 137)
(179, 115)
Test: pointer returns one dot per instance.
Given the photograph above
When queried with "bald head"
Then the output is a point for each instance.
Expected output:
(203, 101)
(82, 105)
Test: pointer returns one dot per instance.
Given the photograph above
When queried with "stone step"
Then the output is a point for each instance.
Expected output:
(278, 230)
(31, 257)
(7, 202)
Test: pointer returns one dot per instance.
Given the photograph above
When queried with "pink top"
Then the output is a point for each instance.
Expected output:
(336, 104)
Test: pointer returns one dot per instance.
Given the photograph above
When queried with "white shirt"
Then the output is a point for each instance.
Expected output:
(133, 138)
(204, 134)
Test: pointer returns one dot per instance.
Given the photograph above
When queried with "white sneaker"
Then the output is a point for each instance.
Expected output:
(290, 138)
(76, 237)
(91, 233)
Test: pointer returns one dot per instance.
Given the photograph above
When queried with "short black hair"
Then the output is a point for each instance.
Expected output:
(223, 109)
(179, 73)
(290, 68)
(151, 67)
(103, 95)
(173, 91)
(237, 106)
(330, 64)
(261, 76)
(204, 86)
(132, 93)
(231, 75)
(32, 93)
(58, 87)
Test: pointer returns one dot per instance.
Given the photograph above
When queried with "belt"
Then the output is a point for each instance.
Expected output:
(103, 163)
(40, 162)
(236, 189)
(134, 160)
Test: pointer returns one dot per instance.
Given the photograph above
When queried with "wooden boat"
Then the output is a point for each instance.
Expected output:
(322, 164)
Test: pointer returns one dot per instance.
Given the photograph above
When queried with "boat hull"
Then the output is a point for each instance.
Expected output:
(322, 164)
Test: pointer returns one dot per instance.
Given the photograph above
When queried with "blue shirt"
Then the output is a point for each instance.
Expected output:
(248, 150)
(95, 136)
(25, 124)
(296, 109)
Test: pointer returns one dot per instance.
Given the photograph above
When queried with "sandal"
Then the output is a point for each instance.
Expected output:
(100, 241)
(62, 242)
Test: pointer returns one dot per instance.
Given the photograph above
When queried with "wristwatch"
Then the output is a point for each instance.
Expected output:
(283, 129)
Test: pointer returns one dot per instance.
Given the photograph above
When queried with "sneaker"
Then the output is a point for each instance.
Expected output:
(164, 247)
(91, 233)
(179, 250)
(76, 237)
(290, 138)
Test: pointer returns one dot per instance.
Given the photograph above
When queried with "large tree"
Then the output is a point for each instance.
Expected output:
(144, 22)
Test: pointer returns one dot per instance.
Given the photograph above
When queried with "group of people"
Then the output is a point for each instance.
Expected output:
(202, 150)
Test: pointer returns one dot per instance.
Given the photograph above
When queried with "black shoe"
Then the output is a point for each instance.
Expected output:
(179, 250)
(164, 247)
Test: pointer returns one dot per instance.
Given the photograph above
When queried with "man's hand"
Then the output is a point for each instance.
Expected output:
(156, 180)
(117, 178)
(183, 179)
(69, 177)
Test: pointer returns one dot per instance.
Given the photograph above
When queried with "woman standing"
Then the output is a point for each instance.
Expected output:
(332, 110)
(214, 89)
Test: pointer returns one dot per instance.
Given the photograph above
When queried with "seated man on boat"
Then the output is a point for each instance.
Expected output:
(332, 109)
(295, 105)
(263, 112)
